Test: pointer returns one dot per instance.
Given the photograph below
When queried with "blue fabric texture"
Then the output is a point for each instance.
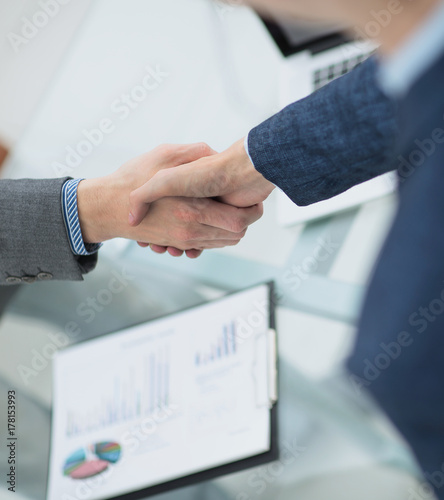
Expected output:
(400, 347)
(347, 133)
(323, 145)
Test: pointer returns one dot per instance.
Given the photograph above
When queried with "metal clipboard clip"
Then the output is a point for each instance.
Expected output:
(265, 369)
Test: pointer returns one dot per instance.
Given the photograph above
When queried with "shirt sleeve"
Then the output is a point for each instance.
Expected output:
(72, 222)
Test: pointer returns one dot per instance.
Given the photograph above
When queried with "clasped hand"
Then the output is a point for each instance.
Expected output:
(180, 199)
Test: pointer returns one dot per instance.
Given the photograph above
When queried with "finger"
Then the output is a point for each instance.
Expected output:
(175, 252)
(229, 218)
(200, 179)
(193, 254)
(158, 249)
(143, 245)
(180, 154)
(215, 244)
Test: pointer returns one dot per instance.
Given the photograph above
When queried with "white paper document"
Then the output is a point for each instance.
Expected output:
(162, 400)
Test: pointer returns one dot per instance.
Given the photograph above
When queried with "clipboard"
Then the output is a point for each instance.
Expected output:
(169, 403)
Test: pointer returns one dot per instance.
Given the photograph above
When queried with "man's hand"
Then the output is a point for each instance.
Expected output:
(229, 176)
(179, 223)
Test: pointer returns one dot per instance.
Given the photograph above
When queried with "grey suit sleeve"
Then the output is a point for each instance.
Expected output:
(33, 236)
(340, 136)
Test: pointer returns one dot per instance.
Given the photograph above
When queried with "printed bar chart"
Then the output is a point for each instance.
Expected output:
(222, 347)
(137, 390)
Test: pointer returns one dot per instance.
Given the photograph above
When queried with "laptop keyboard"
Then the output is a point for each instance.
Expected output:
(326, 75)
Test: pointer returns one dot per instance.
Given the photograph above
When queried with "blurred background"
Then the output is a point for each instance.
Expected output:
(218, 74)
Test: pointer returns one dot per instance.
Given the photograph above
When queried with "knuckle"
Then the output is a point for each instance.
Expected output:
(233, 243)
(200, 204)
(198, 211)
(184, 213)
(165, 149)
(167, 153)
(252, 215)
(259, 210)
(204, 148)
(239, 225)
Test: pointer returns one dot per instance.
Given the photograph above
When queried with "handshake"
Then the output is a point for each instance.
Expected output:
(176, 199)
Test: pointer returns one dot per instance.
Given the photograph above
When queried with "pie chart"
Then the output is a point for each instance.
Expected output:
(110, 452)
(92, 460)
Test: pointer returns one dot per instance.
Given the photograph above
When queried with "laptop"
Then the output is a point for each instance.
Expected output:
(312, 57)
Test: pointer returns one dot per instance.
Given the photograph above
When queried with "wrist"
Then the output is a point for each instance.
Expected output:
(252, 176)
(248, 186)
(103, 203)
(96, 202)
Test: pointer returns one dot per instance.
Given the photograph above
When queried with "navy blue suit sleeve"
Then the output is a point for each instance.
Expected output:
(336, 138)
(399, 349)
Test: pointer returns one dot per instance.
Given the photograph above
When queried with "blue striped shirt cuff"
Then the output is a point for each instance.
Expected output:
(72, 222)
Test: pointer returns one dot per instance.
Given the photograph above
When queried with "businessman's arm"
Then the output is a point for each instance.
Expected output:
(340, 136)
(33, 240)
(314, 149)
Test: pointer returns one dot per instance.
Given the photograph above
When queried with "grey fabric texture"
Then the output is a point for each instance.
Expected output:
(33, 236)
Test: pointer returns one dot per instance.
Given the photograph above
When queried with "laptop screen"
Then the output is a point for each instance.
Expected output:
(292, 37)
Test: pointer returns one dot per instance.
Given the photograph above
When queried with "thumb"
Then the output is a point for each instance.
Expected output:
(138, 211)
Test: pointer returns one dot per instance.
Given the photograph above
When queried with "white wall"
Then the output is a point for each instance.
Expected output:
(26, 69)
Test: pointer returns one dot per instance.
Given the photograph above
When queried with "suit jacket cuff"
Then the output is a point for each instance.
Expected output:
(340, 136)
(33, 237)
